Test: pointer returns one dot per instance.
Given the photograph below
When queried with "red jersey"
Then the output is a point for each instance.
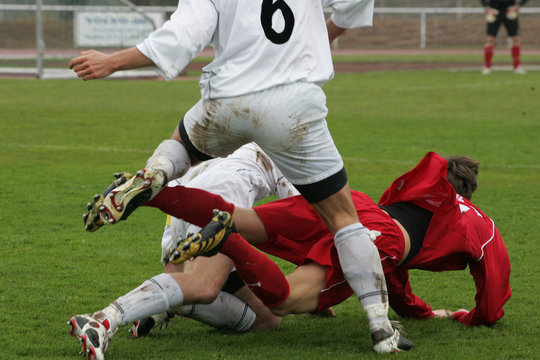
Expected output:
(459, 234)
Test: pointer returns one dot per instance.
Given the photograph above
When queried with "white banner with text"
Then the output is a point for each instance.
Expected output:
(113, 29)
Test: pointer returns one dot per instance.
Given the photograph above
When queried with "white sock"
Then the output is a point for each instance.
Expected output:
(363, 270)
(227, 311)
(151, 297)
(171, 157)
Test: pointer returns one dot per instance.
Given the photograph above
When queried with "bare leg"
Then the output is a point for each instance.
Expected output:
(306, 284)
(264, 320)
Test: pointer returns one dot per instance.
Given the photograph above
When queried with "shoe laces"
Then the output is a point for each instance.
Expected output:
(398, 326)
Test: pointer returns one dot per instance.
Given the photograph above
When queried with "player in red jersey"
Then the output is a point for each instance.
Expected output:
(420, 222)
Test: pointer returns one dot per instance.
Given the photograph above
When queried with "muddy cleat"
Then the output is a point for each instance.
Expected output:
(385, 342)
(207, 242)
(94, 337)
(124, 199)
(77, 323)
(94, 340)
(145, 326)
(92, 219)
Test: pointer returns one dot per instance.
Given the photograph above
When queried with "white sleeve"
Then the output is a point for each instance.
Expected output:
(350, 14)
(180, 39)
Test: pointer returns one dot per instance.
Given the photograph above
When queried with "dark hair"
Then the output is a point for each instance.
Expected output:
(462, 174)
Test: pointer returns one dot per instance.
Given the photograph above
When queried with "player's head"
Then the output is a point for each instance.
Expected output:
(462, 174)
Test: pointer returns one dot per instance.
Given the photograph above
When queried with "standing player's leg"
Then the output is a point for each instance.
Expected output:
(489, 51)
(511, 23)
(493, 23)
(322, 180)
(361, 265)
(313, 164)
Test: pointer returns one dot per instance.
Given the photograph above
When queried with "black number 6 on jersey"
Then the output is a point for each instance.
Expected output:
(269, 7)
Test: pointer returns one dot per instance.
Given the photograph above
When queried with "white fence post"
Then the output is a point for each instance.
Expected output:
(423, 16)
(40, 44)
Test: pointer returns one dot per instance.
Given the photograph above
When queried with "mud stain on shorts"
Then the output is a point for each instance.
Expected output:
(264, 160)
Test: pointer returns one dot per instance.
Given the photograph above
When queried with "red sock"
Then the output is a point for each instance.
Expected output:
(516, 52)
(258, 271)
(189, 204)
(488, 55)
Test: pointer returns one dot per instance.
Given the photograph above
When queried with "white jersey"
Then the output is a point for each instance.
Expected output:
(258, 44)
(243, 178)
(349, 14)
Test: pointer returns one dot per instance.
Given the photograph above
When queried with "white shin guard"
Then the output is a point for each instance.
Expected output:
(151, 297)
(363, 270)
(227, 311)
(172, 157)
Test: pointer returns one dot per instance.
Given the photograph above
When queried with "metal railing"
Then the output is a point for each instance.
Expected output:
(39, 8)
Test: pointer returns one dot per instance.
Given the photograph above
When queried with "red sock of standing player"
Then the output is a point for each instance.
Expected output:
(189, 204)
(516, 55)
(488, 55)
(258, 271)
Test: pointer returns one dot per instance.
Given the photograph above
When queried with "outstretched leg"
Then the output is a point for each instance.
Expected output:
(169, 161)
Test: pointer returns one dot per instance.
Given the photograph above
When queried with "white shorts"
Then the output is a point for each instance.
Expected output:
(286, 121)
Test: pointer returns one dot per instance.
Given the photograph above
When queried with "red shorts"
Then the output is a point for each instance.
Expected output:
(297, 234)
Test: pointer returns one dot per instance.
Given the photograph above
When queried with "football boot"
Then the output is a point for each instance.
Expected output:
(124, 199)
(207, 242)
(92, 219)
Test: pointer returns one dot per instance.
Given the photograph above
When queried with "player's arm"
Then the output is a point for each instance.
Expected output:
(402, 299)
(333, 30)
(348, 14)
(492, 279)
(180, 39)
(94, 64)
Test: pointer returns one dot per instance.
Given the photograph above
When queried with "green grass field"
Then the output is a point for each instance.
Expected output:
(61, 141)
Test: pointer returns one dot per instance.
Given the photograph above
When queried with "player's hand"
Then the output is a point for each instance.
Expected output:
(491, 14)
(512, 12)
(92, 64)
(442, 313)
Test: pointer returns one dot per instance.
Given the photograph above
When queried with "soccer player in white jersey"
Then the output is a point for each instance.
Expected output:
(243, 178)
(264, 85)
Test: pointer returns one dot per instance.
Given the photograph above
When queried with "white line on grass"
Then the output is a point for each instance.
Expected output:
(468, 86)
(139, 151)
(76, 148)
(412, 163)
